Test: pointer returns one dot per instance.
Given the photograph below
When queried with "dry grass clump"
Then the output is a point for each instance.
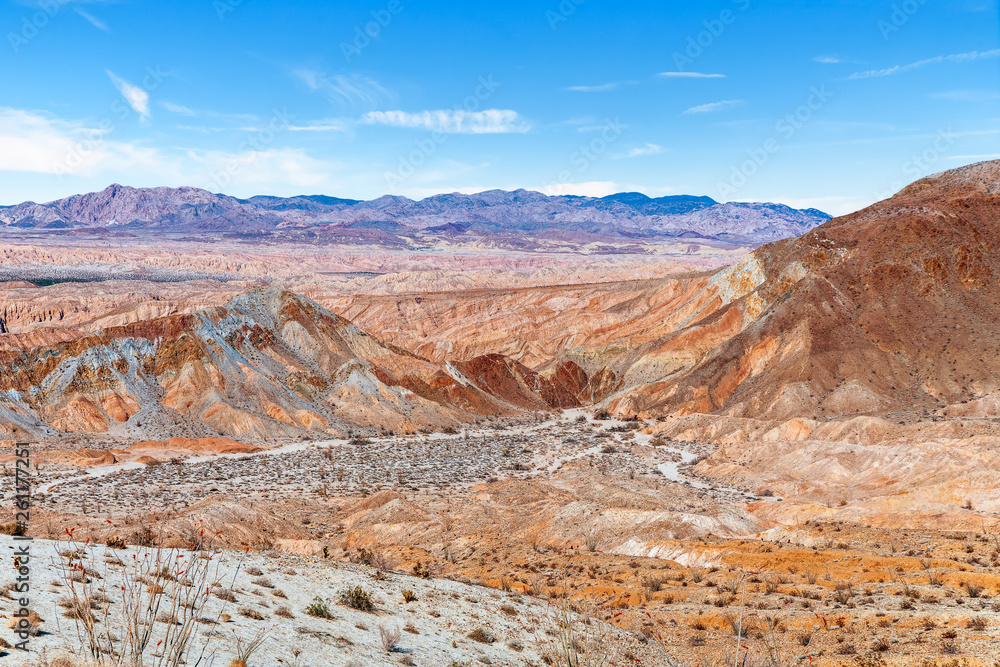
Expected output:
(482, 635)
(162, 602)
(226, 594)
(32, 624)
(251, 613)
(388, 637)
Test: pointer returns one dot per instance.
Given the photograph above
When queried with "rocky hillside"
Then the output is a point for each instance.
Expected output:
(891, 308)
(888, 309)
(266, 364)
(382, 220)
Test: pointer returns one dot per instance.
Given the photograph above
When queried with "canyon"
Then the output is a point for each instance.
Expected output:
(614, 401)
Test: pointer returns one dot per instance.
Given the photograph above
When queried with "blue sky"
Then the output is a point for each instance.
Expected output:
(826, 104)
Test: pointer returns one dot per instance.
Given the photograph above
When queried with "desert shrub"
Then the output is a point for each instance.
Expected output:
(388, 637)
(357, 598)
(143, 537)
(251, 613)
(482, 635)
(319, 608)
(116, 542)
(226, 594)
(976, 624)
(409, 596)
(974, 590)
(13, 528)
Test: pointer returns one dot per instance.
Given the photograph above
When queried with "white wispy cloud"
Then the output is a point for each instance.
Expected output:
(953, 58)
(690, 75)
(94, 21)
(321, 126)
(585, 189)
(241, 118)
(715, 106)
(640, 151)
(136, 97)
(602, 88)
(348, 90)
(967, 95)
(41, 143)
(834, 205)
(178, 109)
(599, 127)
(452, 121)
(38, 142)
(827, 60)
(259, 171)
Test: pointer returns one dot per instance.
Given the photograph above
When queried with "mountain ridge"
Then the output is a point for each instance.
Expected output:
(625, 214)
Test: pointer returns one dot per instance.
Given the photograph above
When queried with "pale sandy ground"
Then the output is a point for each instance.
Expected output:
(444, 613)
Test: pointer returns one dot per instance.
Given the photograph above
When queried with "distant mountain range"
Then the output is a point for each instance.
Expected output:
(494, 212)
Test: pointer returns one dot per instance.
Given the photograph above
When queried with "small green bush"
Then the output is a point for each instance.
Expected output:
(357, 598)
(319, 608)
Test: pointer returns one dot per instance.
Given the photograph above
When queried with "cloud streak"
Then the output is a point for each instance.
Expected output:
(641, 151)
(353, 90)
(602, 88)
(452, 121)
(136, 97)
(690, 75)
(953, 58)
(93, 20)
(713, 107)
